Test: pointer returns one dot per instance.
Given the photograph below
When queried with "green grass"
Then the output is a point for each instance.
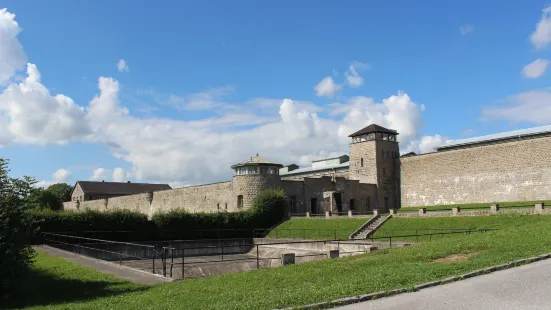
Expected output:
(317, 228)
(478, 206)
(58, 284)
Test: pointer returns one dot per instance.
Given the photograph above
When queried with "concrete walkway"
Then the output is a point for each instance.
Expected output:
(524, 287)
(136, 276)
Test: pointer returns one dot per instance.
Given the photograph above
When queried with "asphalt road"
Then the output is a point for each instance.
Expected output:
(524, 287)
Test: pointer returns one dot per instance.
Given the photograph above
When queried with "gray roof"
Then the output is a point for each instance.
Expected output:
(373, 128)
(498, 136)
(256, 161)
(310, 169)
(324, 159)
(119, 188)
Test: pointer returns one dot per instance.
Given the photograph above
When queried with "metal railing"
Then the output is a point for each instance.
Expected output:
(163, 256)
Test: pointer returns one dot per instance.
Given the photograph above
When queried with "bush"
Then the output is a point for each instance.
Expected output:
(78, 223)
(268, 210)
(16, 254)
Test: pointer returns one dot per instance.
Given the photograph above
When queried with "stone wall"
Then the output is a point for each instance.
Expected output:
(202, 198)
(512, 171)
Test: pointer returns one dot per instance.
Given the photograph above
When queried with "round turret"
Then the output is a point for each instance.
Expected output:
(252, 177)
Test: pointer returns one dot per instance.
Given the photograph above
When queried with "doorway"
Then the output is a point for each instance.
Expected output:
(338, 201)
(313, 206)
(352, 205)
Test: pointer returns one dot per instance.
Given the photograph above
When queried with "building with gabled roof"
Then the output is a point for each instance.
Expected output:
(92, 190)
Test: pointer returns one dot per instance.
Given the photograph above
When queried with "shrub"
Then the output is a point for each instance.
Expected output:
(16, 254)
(80, 222)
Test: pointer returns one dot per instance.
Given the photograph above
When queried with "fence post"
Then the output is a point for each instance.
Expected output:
(539, 207)
(164, 262)
(257, 258)
(183, 263)
(417, 235)
(390, 238)
(307, 214)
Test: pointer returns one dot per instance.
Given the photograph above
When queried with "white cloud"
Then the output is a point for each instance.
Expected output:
(199, 151)
(12, 56)
(99, 174)
(37, 117)
(541, 37)
(353, 78)
(466, 29)
(61, 176)
(119, 175)
(327, 88)
(535, 69)
(122, 66)
(531, 106)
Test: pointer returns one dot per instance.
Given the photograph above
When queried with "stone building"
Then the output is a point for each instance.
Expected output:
(510, 166)
(92, 190)
(371, 183)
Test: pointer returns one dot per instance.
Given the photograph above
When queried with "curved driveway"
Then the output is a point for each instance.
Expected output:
(519, 288)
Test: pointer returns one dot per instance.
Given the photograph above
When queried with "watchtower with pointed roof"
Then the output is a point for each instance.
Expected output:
(375, 159)
(252, 177)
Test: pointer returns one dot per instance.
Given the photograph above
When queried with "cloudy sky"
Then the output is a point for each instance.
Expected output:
(177, 91)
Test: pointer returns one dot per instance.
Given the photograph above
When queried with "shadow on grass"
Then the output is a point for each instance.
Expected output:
(41, 288)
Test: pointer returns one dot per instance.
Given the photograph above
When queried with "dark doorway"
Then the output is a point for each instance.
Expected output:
(338, 201)
(313, 206)
(352, 204)
(386, 203)
(293, 203)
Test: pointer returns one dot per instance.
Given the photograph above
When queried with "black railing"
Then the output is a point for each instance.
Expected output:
(162, 257)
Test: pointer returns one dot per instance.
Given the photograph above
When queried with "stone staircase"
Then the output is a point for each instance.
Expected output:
(369, 227)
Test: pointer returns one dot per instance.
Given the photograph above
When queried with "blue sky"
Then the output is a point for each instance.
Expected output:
(210, 83)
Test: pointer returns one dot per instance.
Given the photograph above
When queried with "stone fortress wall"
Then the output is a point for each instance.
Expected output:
(508, 171)
(376, 178)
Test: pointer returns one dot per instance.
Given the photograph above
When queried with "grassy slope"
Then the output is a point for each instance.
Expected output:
(317, 228)
(485, 205)
(63, 285)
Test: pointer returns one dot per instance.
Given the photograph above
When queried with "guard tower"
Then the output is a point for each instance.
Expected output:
(252, 177)
(375, 159)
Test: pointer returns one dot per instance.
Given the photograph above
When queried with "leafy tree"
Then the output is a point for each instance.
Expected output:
(61, 190)
(16, 253)
(43, 199)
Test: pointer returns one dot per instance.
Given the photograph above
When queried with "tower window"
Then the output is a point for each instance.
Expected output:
(239, 201)
(361, 162)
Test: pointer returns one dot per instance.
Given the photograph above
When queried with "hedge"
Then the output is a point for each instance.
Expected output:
(268, 210)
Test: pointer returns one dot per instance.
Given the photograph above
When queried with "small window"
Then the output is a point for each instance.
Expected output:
(239, 201)
(361, 162)
(226, 206)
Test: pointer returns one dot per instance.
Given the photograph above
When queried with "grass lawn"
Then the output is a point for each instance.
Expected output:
(317, 228)
(58, 284)
(478, 206)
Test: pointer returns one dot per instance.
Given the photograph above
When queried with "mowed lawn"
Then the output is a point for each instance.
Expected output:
(58, 284)
(478, 206)
(317, 228)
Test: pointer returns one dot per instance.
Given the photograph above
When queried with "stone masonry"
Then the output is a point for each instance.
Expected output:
(510, 171)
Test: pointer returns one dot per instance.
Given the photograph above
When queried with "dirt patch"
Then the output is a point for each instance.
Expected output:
(460, 257)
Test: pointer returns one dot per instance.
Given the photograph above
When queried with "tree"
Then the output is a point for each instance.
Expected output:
(16, 230)
(61, 190)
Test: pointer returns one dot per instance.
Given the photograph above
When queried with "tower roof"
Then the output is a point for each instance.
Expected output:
(256, 161)
(373, 128)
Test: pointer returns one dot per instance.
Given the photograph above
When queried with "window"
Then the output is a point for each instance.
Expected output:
(361, 162)
(239, 201)
(218, 206)
(226, 206)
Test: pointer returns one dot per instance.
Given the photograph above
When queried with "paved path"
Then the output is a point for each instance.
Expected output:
(105, 267)
(524, 287)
